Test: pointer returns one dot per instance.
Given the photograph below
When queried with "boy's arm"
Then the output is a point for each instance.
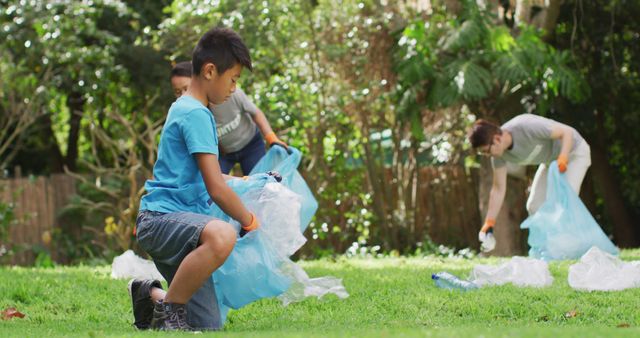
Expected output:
(261, 120)
(219, 191)
(496, 197)
(565, 133)
(228, 177)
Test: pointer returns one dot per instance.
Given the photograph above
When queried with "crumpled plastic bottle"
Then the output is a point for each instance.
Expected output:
(445, 280)
(487, 241)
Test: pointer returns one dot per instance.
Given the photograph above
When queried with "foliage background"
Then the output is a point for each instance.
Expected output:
(366, 89)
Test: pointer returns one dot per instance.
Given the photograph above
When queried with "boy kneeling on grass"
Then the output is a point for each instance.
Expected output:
(173, 225)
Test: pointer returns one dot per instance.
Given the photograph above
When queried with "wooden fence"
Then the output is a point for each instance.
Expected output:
(447, 209)
(37, 202)
(448, 205)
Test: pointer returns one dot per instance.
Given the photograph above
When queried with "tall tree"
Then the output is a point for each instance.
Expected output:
(70, 40)
(603, 39)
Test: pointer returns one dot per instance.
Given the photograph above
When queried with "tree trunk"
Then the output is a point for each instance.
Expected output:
(546, 18)
(550, 19)
(588, 195)
(376, 181)
(54, 155)
(624, 229)
(75, 103)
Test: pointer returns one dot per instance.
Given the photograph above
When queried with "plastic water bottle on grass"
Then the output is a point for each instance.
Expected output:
(445, 280)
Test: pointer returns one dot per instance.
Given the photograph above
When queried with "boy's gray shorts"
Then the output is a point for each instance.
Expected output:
(168, 238)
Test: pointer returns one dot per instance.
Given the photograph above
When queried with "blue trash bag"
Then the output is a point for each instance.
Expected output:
(253, 269)
(563, 228)
(286, 164)
(250, 273)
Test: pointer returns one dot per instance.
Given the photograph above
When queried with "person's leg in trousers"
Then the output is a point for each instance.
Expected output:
(227, 162)
(252, 153)
(538, 190)
(579, 163)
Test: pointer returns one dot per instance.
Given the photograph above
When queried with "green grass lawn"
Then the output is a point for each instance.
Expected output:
(389, 297)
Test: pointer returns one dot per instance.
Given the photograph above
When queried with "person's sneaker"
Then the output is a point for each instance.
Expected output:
(158, 315)
(170, 317)
(140, 293)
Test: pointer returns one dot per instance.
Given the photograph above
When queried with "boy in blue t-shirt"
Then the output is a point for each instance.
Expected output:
(241, 125)
(173, 224)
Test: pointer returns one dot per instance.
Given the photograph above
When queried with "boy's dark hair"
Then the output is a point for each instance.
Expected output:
(224, 48)
(182, 69)
(483, 132)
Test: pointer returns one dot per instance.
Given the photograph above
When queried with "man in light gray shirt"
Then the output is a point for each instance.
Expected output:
(238, 122)
(529, 140)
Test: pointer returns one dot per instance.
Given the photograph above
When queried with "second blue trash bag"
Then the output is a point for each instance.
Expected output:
(563, 228)
(278, 159)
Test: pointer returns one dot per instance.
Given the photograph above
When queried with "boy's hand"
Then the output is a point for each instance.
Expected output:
(276, 175)
(272, 139)
(563, 161)
(252, 225)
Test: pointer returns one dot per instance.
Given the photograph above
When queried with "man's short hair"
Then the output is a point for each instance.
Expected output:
(483, 132)
(224, 48)
(182, 69)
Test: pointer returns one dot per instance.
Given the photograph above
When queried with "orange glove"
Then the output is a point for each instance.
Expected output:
(253, 225)
(488, 225)
(272, 139)
(562, 163)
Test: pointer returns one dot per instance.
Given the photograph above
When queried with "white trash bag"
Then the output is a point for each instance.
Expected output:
(520, 271)
(303, 286)
(601, 271)
(129, 265)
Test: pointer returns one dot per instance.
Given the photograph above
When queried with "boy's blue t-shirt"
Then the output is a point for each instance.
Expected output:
(177, 183)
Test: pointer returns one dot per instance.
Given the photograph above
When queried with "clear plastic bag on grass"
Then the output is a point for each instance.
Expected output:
(129, 265)
(278, 159)
(563, 228)
(601, 271)
(303, 286)
(520, 271)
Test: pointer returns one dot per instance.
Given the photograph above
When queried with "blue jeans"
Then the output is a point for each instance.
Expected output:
(168, 238)
(247, 156)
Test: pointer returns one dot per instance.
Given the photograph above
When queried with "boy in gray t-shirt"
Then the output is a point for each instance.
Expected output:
(528, 140)
(239, 123)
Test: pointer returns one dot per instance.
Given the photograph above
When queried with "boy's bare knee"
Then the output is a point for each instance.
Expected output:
(219, 236)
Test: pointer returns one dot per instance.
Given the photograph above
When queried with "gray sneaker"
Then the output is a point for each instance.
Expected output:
(170, 317)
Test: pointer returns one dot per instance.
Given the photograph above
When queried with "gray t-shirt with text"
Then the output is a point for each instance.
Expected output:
(532, 142)
(234, 121)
